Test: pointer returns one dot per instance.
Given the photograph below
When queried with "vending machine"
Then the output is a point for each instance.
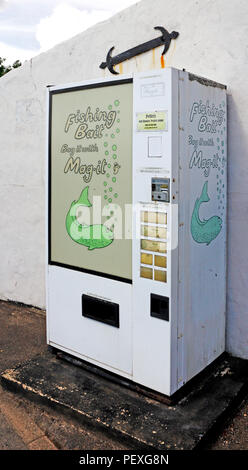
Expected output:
(136, 233)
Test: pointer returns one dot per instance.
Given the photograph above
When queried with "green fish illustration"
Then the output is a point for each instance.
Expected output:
(204, 231)
(92, 236)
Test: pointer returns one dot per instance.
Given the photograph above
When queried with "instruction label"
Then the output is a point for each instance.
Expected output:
(152, 121)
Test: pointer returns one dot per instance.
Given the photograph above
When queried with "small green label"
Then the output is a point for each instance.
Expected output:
(152, 121)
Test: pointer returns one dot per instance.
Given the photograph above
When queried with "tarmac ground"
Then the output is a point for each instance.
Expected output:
(25, 424)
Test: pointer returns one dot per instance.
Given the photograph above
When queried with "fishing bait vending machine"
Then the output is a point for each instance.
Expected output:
(136, 246)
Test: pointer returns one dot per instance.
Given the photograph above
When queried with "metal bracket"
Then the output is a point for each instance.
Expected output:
(165, 40)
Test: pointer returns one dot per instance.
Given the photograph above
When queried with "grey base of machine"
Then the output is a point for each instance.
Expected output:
(142, 422)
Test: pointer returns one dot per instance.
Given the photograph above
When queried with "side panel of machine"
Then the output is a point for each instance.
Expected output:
(202, 225)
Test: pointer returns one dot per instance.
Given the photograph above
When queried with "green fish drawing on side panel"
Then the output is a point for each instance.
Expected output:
(91, 236)
(204, 231)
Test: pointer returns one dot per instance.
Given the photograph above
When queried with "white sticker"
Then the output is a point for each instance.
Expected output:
(152, 89)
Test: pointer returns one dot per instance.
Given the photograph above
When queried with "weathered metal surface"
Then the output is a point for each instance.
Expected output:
(206, 81)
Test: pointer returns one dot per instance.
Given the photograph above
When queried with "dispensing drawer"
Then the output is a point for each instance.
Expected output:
(100, 310)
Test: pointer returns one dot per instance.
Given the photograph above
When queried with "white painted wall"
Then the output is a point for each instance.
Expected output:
(212, 43)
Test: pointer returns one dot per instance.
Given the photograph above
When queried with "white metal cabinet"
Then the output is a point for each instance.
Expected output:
(166, 284)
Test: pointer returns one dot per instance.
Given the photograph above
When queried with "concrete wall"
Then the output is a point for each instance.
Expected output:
(212, 43)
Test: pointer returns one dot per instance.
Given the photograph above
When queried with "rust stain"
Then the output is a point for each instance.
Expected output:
(162, 62)
(120, 68)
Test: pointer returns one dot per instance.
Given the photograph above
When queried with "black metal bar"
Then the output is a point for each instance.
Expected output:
(165, 40)
(146, 46)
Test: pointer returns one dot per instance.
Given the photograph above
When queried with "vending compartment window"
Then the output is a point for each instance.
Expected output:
(100, 310)
(153, 217)
(146, 216)
(160, 261)
(162, 218)
(146, 258)
(150, 245)
(146, 272)
(160, 275)
(160, 307)
(153, 231)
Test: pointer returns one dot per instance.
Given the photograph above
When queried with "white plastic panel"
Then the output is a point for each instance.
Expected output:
(155, 146)
(97, 342)
(151, 336)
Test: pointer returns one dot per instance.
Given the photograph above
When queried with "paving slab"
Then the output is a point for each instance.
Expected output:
(9, 439)
(144, 422)
(24, 424)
